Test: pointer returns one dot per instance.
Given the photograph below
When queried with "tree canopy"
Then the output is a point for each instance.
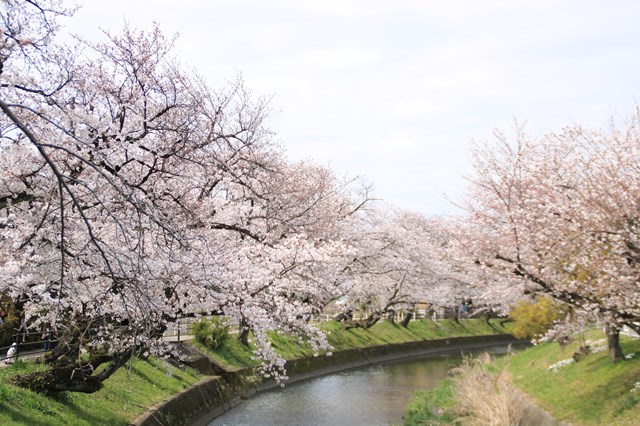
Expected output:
(133, 194)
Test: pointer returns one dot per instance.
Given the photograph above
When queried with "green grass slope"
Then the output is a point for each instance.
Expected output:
(233, 355)
(145, 383)
(592, 391)
(125, 394)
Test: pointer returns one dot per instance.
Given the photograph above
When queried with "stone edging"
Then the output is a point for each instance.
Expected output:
(212, 396)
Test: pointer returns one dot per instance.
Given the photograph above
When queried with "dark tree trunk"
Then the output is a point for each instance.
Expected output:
(369, 322)
(406, 319)
(391, 316)
(59, 379)
(243, 335)
(613, 342)
(505, 321)
(73, 377)
(344, 316)
(633, 326)
(68, 371)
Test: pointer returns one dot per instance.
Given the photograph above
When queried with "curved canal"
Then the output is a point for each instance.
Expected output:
(370, 396)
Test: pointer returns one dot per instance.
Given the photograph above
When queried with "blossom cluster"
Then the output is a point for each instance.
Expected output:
(132, 194)
(558, 214)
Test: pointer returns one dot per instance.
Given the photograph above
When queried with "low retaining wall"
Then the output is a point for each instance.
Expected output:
(196, 405)
(306, 368)
(212, 396)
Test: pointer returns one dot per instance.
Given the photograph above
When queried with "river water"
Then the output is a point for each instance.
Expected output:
(370, 396)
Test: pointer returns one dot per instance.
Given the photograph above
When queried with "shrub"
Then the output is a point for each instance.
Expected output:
(533, 319)
(212, 333)
(9, 320)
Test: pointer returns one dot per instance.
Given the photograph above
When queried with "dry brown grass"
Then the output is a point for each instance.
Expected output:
(489, 398)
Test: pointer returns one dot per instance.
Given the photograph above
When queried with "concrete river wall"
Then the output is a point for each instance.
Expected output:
(214, 395)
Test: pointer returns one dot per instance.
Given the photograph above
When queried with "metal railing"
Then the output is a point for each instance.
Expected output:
(33, 344)
(27, 345)
(181, 329)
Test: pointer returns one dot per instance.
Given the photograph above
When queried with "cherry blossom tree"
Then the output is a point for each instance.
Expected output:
(400, 259)
(557, 214)
(285, 271)
(131, 194)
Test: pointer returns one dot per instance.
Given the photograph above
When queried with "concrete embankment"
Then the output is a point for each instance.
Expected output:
(212, 396)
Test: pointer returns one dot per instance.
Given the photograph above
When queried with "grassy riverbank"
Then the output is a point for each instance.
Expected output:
(125, 396)
(592, 391)
(233, 355)
(143, 384)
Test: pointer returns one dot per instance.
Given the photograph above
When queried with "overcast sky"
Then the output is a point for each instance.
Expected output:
(395, 91)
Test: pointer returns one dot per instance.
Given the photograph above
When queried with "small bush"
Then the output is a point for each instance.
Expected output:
(213, 333)
(9, 320)
(533, 319)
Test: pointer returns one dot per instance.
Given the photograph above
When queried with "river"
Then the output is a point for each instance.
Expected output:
(370, 396)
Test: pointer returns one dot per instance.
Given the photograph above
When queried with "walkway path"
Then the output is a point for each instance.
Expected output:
(33, 354)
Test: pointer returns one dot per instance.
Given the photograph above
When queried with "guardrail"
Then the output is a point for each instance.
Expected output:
(33, 344)
(178, 330)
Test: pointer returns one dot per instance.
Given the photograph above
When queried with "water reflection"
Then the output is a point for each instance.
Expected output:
(371, 396)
